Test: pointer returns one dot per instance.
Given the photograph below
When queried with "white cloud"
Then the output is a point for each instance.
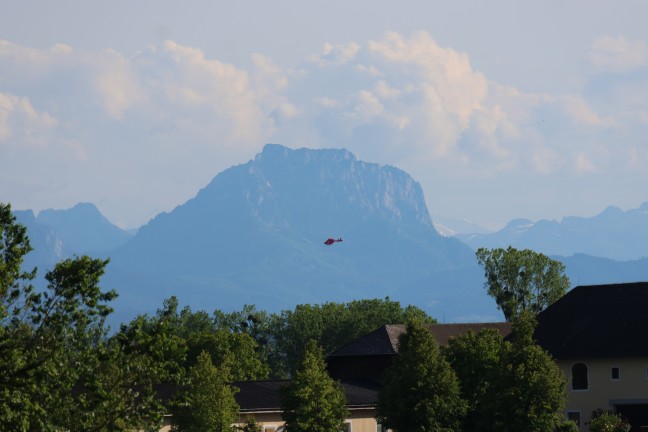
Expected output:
(327, 102)
(460, 88)
(403, 100)
(335, 54)
(369, 70)
(544, 160)
(583, 164)
(117, 83)
(366, 107)
(618, 54)
(21, 124)
(62, 49)
(580, 112)
(164, 109)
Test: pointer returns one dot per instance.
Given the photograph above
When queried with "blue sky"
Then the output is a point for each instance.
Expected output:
(500, 109)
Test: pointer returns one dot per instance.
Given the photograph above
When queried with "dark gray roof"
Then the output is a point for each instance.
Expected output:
(384, 340)
(597, 321)
(259, 396)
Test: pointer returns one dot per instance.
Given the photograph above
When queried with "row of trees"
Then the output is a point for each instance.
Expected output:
(479, 382)
(62, 368)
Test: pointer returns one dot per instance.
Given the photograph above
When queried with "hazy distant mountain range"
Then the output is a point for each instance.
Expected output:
(613, 234)
(255, 234)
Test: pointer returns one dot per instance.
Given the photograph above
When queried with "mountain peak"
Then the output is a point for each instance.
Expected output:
(84, 228)
(256, 233)
(285, 187)
(274, 152)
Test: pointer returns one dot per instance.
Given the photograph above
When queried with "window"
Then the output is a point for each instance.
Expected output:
(579, 377)
(380, 428)
(347, 427)
(575, 417)
(615, 373)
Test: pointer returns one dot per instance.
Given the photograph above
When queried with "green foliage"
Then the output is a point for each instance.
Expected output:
(16, 293)
(522, 280)
(476, 360)
(207, 403)
(49, 339)
(509, 385)
(250, 425)
(313, 402)
(420, 390)
(527, 392)
(220, 344)
(199, 332)
(608, 421)
(568, 426)
(58, 368)
(331, 325)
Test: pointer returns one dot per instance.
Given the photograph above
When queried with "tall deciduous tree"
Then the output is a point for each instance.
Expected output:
(476, 358)
(200, 332)
(58, 369)
(313, 401)
(522, 280)
(420, 389)
(208, 403)
(528, 391)
(43, 335)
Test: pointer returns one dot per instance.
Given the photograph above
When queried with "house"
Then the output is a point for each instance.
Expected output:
(261, 400)
(598, 335)
(358, 367)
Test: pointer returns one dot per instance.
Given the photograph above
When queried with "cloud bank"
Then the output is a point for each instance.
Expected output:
(140, 134)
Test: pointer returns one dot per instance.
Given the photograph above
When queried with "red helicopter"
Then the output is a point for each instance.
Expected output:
(330, 241)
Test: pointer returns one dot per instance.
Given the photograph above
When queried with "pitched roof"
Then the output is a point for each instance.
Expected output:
(384, 340)
(597, 321)
(264, 396)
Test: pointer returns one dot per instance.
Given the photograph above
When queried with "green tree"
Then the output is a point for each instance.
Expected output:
(58, 369)
(250, 425)
(476, 359)
(44, 335)
(207, 403)
(119, 388)
(608, 421)
(200, 332)
(221, 344)
(313, 401)
(528, 391)
(332, 325)
(522, 280)
(420, 389)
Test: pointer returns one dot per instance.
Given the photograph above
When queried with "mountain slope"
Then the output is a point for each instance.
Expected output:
(255, 235)
(83, 229)
(47, 246)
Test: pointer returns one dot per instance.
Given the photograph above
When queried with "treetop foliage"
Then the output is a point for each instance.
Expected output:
(312, 401)
(521, 280)
(207, 403)
(420, 389)
(60, 369)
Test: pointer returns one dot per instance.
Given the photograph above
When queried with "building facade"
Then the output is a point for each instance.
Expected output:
(598, 335)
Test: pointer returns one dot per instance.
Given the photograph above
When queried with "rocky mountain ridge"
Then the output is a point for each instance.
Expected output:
(255, 235)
